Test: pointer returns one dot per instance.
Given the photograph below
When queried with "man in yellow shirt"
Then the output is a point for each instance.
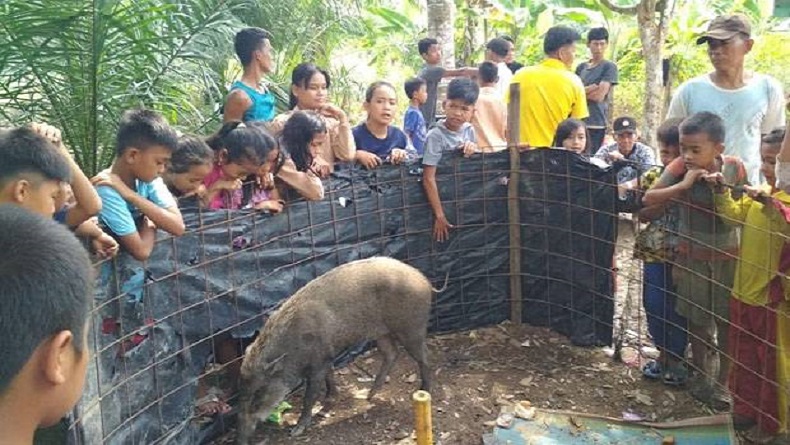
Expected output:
(550, 91)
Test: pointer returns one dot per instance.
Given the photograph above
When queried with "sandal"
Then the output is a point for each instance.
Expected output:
(676, 375)
(652, 370)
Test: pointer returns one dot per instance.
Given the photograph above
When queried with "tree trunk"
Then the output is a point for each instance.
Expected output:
(653, 17)
(441, 21)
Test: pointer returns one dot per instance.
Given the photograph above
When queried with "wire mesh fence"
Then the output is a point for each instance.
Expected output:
(164, 329)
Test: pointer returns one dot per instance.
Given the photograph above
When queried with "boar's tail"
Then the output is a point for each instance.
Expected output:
(443, 288)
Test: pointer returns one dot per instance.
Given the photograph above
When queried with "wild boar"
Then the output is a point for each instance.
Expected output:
(378, 299)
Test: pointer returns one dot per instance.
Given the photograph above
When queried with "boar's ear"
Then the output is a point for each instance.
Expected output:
(273, 365)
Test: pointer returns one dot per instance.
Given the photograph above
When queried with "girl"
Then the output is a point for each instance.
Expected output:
(376, 139)
(309, 85)
(571, 135)
(239, 151)
(192, 161)
(301, 139)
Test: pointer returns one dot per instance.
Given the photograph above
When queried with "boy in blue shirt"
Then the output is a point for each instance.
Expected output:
(414, 122)
(453, 133)
(131, 208)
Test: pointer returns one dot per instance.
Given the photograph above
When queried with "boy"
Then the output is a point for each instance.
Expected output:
(655, 247)
(497, 51)
(490, 119)
(453, 133)
(45, 286)
(132, 210)
(413, 121)
(707, 247)
(759, 309)
(249, 99)
(433, 73)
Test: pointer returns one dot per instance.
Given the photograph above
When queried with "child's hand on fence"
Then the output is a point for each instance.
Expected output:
(692, 177)
(469, 148)
(266, 181)
(200, 192)
(441, 229)
(106, 178)
(368, 159)
(715, 180)
(104, 246)
(228, 184)
(398, 155)
(321, 168)
(271, 206)
(757, 194)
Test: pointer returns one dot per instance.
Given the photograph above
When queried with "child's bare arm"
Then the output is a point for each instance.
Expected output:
(169, 219)
(661, 194)
(236, 105)
(440, 226)
(140, 244)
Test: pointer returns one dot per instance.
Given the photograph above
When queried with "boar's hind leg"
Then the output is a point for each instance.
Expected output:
(414, 344)
(389, 352)
(315, 382)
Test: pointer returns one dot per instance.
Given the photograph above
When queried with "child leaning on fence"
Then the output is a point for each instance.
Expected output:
(655, 247)
(707, 247)
(377, 139)
(451, 134)
(131, 208)
(759, 307)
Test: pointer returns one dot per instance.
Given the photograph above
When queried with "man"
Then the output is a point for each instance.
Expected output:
(497, 51)
(249, 99)
(550, 92)
(433, 73)
(598, 76)
(636, 158)
(510, 60)
(750, 104)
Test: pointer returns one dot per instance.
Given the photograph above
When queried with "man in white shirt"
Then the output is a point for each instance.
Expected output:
(497, 52)
(751, 104)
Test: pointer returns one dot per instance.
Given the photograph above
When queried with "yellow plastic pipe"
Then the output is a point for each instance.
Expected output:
(422, 417)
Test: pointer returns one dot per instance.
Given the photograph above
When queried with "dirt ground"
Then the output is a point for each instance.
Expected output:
(478, 371)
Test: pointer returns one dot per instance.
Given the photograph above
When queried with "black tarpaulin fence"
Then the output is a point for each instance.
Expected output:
(154, 323)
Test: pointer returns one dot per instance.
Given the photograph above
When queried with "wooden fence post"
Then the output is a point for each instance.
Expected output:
(513, 207)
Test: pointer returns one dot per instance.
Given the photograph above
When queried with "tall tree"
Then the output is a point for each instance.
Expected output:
(441, 26)
(653, 17)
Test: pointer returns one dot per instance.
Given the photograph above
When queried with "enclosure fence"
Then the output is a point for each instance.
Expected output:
(540, 237)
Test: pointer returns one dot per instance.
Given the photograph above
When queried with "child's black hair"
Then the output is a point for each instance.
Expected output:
(300, 77)
(598, 34)
(375, 86)
(45, 287)
(247, 41)
(413, 85)
(498, 46)
(24, 152)
(143, 129)
(463, 89)
(706, 123)
(775, 137)
(243, 142)
(559, 36)
(668, 132)
(191, 151)
(564, 130)
(297, 135)
(488, 72)
(508, 38)
(425, 44)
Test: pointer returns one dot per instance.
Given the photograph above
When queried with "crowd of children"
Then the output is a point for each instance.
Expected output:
(714, 250)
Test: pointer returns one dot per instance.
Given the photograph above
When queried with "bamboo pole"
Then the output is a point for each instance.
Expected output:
(422, 417)
(513, 207)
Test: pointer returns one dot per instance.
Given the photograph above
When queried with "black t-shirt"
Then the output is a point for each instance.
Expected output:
(605, 71)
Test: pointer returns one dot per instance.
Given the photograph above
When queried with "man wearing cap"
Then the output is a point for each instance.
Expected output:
(634, 158)
(751, 104)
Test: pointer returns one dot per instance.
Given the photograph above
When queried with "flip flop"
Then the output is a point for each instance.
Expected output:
(676, 375)
(652, 370)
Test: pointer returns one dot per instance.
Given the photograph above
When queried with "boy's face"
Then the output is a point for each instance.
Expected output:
(382, 105)
(39, 195)
(511, 52)
(421, 95)
(699, 151)
(768, 153)
(148, 164)
(264, 56)
(433, 56)
(458, 113)
(313, 94)
(597, 48)
(667, 153)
